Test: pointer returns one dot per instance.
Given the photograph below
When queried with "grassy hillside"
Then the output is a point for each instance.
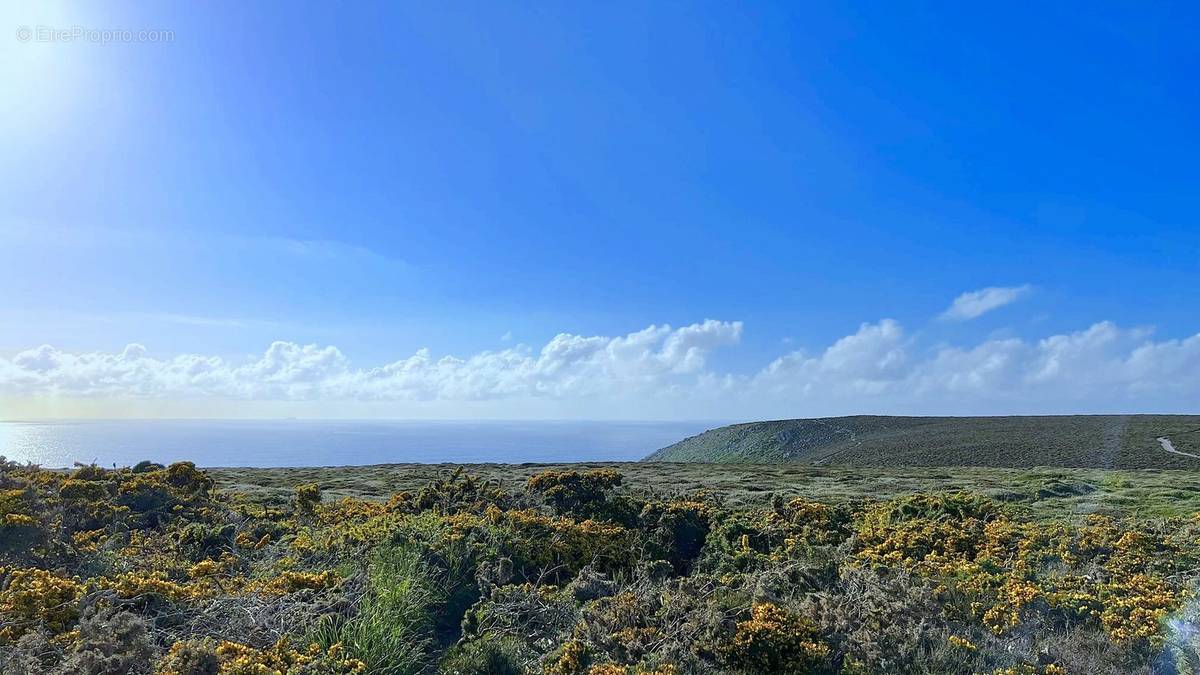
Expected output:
(1084, 441)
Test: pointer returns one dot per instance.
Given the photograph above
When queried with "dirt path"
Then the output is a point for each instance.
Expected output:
(1166, 445)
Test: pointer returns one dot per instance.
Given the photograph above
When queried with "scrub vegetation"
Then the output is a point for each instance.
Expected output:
(593, 570)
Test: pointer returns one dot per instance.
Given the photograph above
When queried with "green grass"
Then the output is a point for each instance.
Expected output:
(391, 631)
(1076, 441)
(1045, 491)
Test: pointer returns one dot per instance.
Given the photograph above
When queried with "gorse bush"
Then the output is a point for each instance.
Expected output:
(776, 640)
(583, 494)
(485, 656)
(153, 570)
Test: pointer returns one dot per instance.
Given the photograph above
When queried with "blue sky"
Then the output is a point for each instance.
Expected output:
(479, 178)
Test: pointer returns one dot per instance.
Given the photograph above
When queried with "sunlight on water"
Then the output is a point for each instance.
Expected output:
(30, 442)
(332, 443)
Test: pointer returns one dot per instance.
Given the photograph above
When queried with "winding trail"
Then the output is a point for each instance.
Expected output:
(1166, 445)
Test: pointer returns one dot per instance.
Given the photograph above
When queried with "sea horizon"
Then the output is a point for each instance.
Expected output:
(311, 442)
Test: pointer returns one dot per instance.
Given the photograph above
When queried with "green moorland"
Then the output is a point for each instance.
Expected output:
(613, 569)
(1045, 492)
(1079, 441)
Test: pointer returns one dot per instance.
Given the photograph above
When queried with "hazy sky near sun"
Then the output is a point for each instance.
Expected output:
(635, 210)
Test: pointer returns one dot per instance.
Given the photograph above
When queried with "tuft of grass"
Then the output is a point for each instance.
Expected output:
(392, 629)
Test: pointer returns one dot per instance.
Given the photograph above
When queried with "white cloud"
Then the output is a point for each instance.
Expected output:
(666, 372)
(974, 304)
(1103, 367)
(653, 360)
(867, 362)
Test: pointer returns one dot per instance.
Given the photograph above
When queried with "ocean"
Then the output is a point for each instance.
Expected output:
(267, 443)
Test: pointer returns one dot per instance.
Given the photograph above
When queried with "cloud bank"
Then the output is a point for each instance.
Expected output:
(974, 304)
(658, 359)
(666, 372)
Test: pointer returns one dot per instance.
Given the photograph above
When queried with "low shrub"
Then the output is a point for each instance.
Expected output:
(776, 640)
(151, 569)
(485, 656)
